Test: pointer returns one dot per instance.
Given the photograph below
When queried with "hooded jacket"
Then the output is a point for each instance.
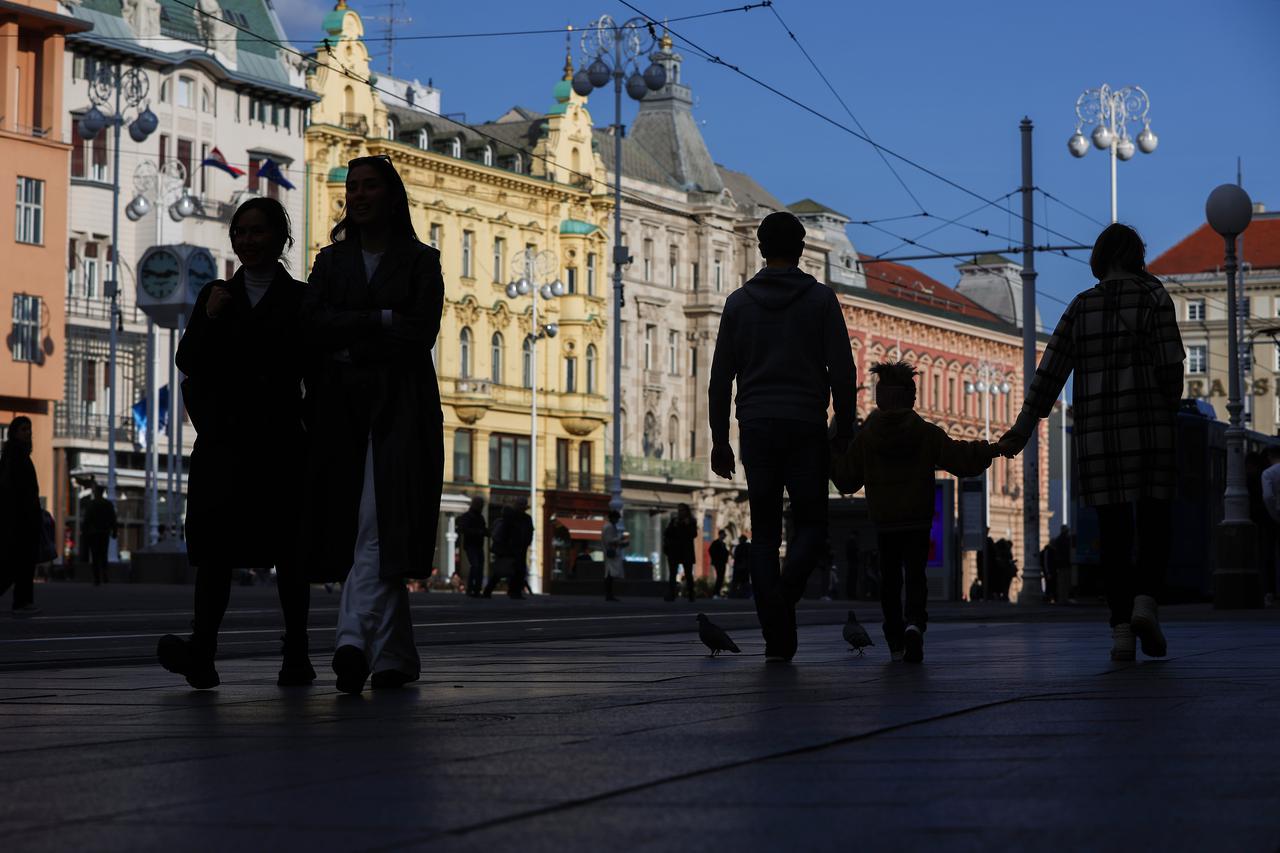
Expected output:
(782, 337)
(894, 456)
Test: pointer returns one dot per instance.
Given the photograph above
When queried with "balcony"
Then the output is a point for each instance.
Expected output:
(99, 308)
(665, 469)
(358, 122)
(575, 481)
(91, 426)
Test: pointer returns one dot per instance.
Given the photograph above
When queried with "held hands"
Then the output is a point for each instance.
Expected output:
(219, 300)
(722, 462)
(1011, 444)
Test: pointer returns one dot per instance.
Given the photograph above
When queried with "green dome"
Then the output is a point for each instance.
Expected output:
(333, 21)
(338, 174)
(562, 90)
(576, 226)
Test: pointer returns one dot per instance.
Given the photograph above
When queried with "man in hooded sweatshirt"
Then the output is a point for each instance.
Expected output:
(783, 339)
(894, 456)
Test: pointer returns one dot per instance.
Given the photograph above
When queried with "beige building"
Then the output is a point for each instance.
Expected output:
(483, 203)
(1193, 275)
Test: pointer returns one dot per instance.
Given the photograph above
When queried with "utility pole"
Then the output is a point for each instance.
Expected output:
(1031, 592)
(390, 20)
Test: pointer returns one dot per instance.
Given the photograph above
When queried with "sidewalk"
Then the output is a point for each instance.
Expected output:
(1012, 735)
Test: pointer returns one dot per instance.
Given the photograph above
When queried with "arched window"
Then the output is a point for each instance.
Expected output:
(526, 363)
(591, 368)
(570, 374)
(455, 147)
(391, 128)
(673, 436)
(349, 100)
(487, 155)
(424, 141)
(464, 353)
(164, 91)
(575, 162)
(495, 358)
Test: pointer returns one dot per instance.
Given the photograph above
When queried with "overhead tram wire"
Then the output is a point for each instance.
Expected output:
(1074, 210)
(431, 37)
(717, 60)
(774, 9)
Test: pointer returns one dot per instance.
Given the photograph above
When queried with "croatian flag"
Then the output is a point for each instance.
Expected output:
(216, 160)
(269, 170)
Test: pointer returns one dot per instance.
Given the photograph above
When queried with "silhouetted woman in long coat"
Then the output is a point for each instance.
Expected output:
(1121, 339)
(376, 444)
(240, 355)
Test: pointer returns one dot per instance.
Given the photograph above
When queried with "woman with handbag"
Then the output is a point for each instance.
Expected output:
(240, 358)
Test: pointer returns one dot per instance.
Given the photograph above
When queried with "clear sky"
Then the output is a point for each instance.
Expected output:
(942, 83)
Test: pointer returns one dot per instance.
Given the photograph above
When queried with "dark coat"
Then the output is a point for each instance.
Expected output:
(512, 534)
(1120, 340)
(719, 553)
(369, 376)
(243, 393)
(98, 518)
(677, 540)
(20, 514)
(473, 528)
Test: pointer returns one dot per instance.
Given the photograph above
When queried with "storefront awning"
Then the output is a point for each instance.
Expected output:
(582, 528)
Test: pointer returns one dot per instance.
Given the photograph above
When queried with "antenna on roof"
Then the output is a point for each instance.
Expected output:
(1239, 173)
(390, 19)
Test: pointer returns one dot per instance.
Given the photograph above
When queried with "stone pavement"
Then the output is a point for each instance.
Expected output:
(1010, 736)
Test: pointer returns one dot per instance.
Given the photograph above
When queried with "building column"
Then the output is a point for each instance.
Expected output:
(451, 541)
(8, 59)
(50, 113)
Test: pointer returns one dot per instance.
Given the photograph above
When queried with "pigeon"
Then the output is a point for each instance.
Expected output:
(714, 637)
(856, 635)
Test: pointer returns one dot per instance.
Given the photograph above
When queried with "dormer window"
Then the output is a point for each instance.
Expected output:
(186, 92)
(455, 148)
(423, 139)
(487, 155)
(391, 128)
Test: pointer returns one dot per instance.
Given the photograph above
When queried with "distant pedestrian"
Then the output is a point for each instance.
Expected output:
(1120, 341)
(719, 554)
(677, 543)
(242, 356)
(783, 340)
(740, 587)
(98, 526)
(375, 433)
(512, 536)
(894, 456)
(614, 540)
(975, 590)
(20, 518)
(474, 530)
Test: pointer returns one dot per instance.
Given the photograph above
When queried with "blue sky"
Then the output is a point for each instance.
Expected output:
(942, 83)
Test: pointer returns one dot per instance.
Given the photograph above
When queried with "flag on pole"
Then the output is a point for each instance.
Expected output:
(217, 161)
(269, 170)
(140, 417)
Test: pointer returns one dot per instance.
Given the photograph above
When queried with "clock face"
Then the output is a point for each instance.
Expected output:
(158, 276)
(200, 270)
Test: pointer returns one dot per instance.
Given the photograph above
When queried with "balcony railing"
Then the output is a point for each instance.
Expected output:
(574, 481)
(358, 122)
(670, 469)
(68, 423)
(99, 308)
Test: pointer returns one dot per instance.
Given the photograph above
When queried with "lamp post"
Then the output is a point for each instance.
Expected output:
(990, 382)
(612, 47)
(1236, 583)
(129, 89)
(1111, 111)
(531, 266)
(156, 185)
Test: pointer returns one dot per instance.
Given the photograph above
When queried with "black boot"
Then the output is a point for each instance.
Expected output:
(352, 669)
(190, 659)
(295, 666)
(608, 589)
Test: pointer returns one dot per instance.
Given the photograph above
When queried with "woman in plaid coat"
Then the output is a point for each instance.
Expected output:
(1121, 339)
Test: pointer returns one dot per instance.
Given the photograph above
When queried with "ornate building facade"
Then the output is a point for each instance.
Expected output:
(488, 206)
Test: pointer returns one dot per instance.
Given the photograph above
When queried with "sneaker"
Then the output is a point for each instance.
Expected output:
(26, 610)
(351, 668)
(913, 644)
(176, 655)
(1146, 625)
(1122, 643)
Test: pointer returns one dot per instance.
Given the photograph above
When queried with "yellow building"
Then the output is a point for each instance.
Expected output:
(477, 196)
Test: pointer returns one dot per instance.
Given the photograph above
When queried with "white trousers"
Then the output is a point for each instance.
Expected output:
(374, 613)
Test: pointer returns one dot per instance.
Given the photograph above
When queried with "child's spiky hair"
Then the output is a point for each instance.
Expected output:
(895, 374)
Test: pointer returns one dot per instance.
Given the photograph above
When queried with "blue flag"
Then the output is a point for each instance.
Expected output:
(140, 416)
(269, 170)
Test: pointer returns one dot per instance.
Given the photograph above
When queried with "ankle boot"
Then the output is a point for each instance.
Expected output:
(1146, 625)
(295, 666)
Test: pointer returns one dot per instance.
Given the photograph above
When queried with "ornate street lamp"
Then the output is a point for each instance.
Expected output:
(530, 267)
(610, 50)
(1236, 582)
(129, 90)
(1111, 111)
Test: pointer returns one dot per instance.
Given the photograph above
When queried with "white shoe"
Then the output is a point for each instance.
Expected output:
(1122, 644)
(1146, 625)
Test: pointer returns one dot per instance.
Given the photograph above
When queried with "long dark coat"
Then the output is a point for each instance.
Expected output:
(678, 540)
(243, 393)
(20, 513)
(368, 375)
(1121, 340)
